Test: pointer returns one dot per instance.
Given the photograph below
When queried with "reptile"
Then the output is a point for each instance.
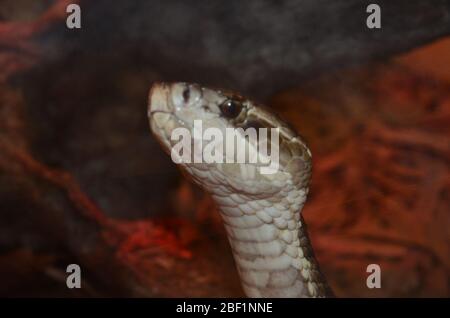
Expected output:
(261, 212)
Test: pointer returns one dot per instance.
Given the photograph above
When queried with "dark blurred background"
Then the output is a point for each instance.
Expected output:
(83, 181)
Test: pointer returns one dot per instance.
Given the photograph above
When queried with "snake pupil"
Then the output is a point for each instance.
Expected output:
(231, 108)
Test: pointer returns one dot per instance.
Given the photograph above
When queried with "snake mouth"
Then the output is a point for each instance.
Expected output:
(159, 111)
(160, 117)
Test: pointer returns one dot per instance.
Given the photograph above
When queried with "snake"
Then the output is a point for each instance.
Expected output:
(261, 212)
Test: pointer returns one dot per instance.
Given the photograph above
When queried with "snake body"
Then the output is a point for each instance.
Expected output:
(261, 212)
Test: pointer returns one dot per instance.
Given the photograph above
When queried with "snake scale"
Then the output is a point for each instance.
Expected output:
(261, 212)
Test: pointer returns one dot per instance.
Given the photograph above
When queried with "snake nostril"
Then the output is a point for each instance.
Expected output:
(186, 94)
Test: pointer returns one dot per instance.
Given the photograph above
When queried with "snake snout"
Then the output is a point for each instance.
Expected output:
(157, 98)
(159, 110)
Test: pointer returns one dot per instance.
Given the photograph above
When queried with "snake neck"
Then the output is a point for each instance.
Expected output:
(271, 248)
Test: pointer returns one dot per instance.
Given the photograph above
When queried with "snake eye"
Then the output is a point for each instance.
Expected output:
(231, 108)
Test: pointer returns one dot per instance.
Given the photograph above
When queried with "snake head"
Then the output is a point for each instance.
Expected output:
(227, 142)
